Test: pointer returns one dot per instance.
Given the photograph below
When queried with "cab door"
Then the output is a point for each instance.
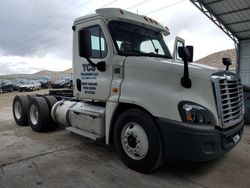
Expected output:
(89, 82)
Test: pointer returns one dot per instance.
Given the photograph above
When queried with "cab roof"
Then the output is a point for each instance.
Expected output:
(120, 14)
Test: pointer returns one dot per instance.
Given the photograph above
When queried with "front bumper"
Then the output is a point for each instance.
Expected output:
(184, 142)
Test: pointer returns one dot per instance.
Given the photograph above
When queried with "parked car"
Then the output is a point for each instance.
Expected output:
(60, 84)
(5, 86)
(69, 81)
(16, 83)
(44, 81)
(30, 86)
(70, 84)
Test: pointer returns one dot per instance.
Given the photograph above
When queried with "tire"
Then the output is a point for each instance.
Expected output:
(51, 100)
(19, 109)
(38, 114)
(137, 141)
(31, 96)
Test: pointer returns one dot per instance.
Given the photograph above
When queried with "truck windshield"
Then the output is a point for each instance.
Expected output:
(135, 40)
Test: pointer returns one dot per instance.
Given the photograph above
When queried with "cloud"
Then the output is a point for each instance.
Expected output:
(40, 31)
(186, 21)
(29, 65)
(28, 26)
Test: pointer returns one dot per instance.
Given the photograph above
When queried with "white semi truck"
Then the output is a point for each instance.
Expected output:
(130, 92)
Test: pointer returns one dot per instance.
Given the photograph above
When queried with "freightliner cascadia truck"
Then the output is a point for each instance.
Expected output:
(132, 93)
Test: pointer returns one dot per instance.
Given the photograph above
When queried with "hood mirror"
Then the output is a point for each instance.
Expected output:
(186, 53)
(227, 62)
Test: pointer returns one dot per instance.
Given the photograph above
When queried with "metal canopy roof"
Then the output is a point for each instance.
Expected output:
(232, 16)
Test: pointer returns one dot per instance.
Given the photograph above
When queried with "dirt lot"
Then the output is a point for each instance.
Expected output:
(62, 159)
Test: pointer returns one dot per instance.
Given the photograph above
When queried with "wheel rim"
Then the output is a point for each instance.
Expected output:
(18, 110)
(134, 141)
(33, 114)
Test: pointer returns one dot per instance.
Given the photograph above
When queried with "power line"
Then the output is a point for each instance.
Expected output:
(33, 31)
(57, 43)
(137, 4)
(67, 13)
(109, 3)
(133, 6)
(40, 35)
(55, 29)
(170, 5)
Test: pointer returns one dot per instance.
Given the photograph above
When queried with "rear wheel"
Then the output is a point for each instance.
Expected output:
(20, 109)
(31, 96)
(38, 114)
(51, 100)
(138, 141)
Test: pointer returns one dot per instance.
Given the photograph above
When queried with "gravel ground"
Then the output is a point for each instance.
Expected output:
(62, 159)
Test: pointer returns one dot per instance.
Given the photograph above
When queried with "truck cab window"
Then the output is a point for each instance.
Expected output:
(98, 42)
(135, 40)
(151, 46)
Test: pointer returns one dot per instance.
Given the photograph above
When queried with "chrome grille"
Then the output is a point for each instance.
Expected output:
(229, 98)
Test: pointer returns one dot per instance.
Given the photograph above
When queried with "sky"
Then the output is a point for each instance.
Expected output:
(37, 35)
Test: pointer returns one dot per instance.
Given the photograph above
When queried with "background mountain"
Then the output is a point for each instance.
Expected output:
(67, 72)
(54, 75)
(214, 60)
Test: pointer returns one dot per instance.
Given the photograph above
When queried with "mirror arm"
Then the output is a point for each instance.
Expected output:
(100, 65)
(91, 62)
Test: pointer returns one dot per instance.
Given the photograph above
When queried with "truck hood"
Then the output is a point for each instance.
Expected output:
(155, 84)
(175, 67)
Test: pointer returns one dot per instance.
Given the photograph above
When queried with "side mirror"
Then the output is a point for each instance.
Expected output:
(186, 53)
(84, 45)
(183, 53)
(227, 62)
(191, 53)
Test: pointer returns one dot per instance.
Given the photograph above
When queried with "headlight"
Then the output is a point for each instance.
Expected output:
(195, 114)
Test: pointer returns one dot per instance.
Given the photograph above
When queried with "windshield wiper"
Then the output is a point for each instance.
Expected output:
(156, 49)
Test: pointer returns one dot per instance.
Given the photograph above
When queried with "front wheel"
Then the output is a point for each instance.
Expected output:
(137, 141)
